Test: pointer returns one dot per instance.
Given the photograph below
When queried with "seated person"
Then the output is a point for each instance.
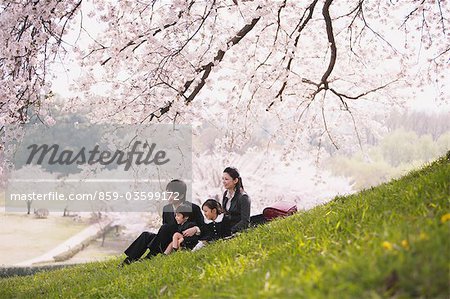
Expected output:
(215, 228)
(182, 216)
(236, 202)
(157, 243)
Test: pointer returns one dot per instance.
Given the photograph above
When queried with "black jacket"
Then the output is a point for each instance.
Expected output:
(238, 215)
(215, 230)
(188, 242)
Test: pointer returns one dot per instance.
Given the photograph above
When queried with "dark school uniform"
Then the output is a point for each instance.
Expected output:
(158, 242)
(188, 242)
(215, 229)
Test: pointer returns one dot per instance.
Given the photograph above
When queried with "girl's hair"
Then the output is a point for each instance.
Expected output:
(178, 186)
(184, 210)
(213, 204)
(233, 172)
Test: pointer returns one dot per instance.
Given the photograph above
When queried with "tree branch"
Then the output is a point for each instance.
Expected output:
(330, 36)
(218, 58)
(301, 25)
(135, 41)
(325, 122)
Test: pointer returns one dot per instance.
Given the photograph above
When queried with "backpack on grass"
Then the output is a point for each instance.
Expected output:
(279, 209)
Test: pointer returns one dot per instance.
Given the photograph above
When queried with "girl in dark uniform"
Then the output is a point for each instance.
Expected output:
(215, 228)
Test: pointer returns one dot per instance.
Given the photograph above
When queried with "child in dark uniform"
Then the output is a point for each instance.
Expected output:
(182, 216)
(216, 227)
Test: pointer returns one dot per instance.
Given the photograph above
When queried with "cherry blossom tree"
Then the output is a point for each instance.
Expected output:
(31, 37)
(306, 68)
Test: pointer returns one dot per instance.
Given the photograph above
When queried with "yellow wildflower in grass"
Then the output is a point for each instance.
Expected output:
(387, 245)
(405, 244)
(423, 236)
(445, 218)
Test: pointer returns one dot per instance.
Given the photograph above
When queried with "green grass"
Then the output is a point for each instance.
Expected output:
(389, 241)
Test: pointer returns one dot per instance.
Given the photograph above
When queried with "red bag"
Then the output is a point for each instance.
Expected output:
(279, 209)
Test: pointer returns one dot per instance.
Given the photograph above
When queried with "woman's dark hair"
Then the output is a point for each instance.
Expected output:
(185, 210)
(178, 186)
(213, 204)
(233, 172)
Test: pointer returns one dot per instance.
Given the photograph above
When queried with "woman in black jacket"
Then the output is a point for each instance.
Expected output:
(236, 202)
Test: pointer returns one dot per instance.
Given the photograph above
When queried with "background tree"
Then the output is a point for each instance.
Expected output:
(31, 37)
(311, 67)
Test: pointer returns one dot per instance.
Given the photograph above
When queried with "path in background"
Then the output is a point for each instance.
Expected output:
(85, 236)
(24, 237)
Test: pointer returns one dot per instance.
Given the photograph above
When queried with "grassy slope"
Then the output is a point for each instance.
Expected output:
(385, 241)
